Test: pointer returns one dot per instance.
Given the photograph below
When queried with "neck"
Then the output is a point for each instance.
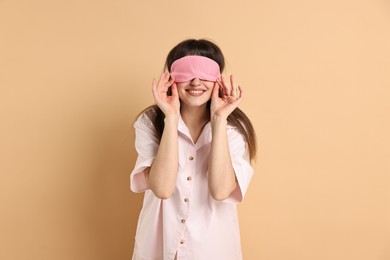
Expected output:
(195, 117)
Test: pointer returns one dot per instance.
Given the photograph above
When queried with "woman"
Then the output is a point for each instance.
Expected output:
(194, 152)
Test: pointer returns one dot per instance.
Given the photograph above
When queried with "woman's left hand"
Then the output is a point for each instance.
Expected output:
(231, 96)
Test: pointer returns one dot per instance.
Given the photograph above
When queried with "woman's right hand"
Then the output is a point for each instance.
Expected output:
(170, 105)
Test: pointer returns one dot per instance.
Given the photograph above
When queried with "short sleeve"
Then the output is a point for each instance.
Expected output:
(146, 145)
(241, 165)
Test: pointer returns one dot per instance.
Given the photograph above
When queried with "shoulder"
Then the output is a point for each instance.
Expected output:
(234, 133)
(145, 129)
(147, 116)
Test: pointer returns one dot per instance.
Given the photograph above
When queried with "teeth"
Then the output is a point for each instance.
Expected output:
(195, 91)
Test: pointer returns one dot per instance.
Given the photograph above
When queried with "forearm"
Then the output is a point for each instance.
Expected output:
(221, 176)
(163, 172)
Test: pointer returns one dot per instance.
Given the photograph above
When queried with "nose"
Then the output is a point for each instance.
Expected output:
(195, 82)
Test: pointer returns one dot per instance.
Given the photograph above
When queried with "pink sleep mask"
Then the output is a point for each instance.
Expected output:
(190, 67)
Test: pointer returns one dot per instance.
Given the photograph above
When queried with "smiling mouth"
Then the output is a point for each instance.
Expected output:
(195, 92)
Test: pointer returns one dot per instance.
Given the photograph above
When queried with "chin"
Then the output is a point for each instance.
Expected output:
(194, 103)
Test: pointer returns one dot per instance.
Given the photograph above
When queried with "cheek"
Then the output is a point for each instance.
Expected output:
(180, 86)
(209, 85)
(180, 89)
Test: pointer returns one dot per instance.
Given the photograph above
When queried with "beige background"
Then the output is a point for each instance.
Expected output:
(74, 74)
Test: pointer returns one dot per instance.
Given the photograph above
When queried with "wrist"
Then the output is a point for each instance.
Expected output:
(217, 120)
(171, 119)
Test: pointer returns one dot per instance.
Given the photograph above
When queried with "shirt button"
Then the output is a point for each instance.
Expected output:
(186, 200)
(181, 241)
(189, 178)
(183, 221)
(191, 158)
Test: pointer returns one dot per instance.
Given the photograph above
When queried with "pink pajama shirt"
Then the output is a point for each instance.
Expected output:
(189, 224)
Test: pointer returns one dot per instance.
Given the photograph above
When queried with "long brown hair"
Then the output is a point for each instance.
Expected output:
(206, 48)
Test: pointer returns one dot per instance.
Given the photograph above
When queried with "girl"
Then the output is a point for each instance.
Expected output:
(194, 152)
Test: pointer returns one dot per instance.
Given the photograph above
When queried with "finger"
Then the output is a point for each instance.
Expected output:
(241, 92)
(163, 77)
(221, 89)
(173, 80)
(233, 91)
(165, 83)
(154, 86)
(167, 75)
(228, 89)
(159, 85)
(215, 93)
(169, 83)
(225, 89)
(155, 90)
(236, 101)
(174, 90)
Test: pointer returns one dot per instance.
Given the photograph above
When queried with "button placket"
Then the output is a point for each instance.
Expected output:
(190, 169)
(191, 159)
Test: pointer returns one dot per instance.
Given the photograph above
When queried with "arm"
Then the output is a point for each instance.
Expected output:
(162, 174)
(221, 176)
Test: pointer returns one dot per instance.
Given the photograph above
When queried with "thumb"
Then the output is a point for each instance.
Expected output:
(174, 90)
(215, 93)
